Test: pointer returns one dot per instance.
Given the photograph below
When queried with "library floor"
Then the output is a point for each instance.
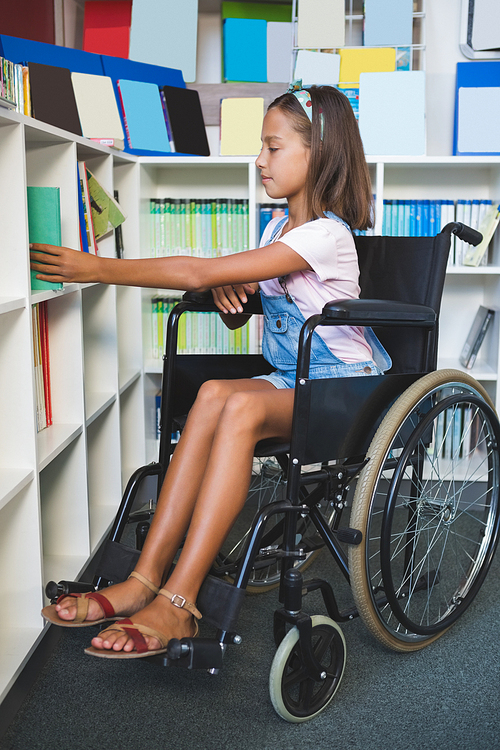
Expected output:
(445, 696)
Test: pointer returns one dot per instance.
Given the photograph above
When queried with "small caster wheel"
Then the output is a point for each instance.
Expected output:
(295, 696)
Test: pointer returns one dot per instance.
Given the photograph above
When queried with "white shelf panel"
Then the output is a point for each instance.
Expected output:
(127, 378)
(53, 440)
(153, 366)
(480, 371)
(96, 404)
(473, 270)
(48, 294)
(102, 516)
(8, 304)
(17, 645)
(12, 481)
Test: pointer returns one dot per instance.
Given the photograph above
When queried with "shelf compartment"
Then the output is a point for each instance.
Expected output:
(99, 347)
(104, 472)
(12, 481)
(53, 440)
(21, 643)
(96, 404)
(9, 304)
(63, 502)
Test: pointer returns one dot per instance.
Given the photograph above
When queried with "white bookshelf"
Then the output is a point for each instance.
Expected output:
(59, 489)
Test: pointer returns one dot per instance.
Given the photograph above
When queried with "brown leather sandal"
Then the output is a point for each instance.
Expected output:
(82, 606)
(137, 633)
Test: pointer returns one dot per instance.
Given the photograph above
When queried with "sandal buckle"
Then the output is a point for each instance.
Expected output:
(178, 601)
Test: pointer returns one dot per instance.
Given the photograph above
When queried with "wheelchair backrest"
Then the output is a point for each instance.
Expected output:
(405, 269)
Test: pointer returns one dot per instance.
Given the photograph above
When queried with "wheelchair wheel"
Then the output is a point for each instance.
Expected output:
(428, 507)
(268, 484)
(295, 696)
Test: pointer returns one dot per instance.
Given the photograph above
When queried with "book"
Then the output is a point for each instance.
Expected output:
(478, 135)
(388, 23)
(241, 126)
(245, 49)
(279, 51)
(476, 336)
(321, 24)
(143, 116)
(477, 74)
(98, 109)
(106, 212)
(88, 225)
(354, 62)
(106, 27)
(317, 68)
(164, 32)
(44, 225)
(41, 364)
(487, 226)
(185, 122)
(52, 97)
(265, 11)
(392, 112)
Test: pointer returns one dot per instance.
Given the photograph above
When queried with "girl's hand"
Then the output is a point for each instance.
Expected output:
(61, 264)
(229, 299)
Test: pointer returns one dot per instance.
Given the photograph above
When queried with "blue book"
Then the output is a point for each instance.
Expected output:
(418, 219)
(425, 218)
(394, 218)
(143, 114)
(81, 217)
(24, 50)
(406, 222)
(118, 68)
(401, 218)
(245, 49)
(476, 74)
(413, 218)
(387, 225)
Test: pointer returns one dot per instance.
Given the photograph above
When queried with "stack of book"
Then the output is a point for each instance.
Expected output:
(99, 211)
(201, 228)
(199, 333)
(42, 366)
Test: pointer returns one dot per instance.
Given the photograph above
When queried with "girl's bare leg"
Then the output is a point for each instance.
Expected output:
(175, 506)
(247, 416)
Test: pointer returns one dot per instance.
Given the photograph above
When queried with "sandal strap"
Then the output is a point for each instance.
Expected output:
(137, 633)
(151, 586)
(179, 601)
(82, 604)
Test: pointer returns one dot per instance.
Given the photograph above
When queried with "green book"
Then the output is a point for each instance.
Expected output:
(263, 11)
(44, 225)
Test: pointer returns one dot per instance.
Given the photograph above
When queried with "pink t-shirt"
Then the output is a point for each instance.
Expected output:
(328, 247)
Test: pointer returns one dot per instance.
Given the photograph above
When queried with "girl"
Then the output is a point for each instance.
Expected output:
(311, 155)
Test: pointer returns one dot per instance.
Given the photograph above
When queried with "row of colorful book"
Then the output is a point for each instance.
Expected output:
(198, 227)
(426, 218)
(200, 333)
(458, 435)
(41, 364)
(15, 87)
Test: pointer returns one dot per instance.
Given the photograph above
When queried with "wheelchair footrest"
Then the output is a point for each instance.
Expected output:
(192, 653)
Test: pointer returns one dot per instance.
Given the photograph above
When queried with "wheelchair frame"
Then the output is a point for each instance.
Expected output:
(302, 640)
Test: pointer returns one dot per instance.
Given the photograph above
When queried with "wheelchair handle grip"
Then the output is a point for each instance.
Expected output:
(464, 232)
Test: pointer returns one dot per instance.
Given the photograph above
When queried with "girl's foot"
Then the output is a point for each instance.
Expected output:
(168, 616)
(120, 600)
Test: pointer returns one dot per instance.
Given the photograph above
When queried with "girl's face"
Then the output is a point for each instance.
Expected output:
(284, 159)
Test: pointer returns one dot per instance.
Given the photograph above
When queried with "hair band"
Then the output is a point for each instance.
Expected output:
(304, 98)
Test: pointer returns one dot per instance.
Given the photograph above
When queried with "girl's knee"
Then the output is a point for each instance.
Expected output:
(244, 410)
(213, 390)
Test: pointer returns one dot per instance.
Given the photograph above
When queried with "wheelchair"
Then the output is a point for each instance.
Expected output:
(413, 452)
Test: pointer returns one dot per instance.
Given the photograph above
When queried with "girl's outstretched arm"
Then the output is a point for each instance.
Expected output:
(61, 264)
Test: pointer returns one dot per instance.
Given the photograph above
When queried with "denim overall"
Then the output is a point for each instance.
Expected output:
(282, 324)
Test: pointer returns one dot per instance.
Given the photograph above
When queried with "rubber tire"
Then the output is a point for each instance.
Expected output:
(361, 508)
(279, 665)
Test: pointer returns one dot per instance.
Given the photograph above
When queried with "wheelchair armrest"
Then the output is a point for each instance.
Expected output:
(367, 312)
(203, 301)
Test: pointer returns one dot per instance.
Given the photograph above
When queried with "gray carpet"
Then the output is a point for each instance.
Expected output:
(446, 696)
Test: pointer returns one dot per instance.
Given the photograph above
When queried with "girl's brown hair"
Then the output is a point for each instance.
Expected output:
(338, 179)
